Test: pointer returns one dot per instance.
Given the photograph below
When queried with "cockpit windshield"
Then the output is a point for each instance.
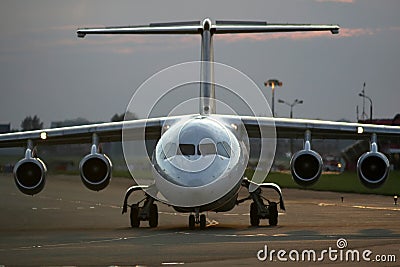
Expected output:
(206, 149)
(186, 149)
(222, 149)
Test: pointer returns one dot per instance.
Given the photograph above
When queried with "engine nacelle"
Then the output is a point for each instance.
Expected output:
(95, 170)
(306, 167)
(30, 174)
(372, 169)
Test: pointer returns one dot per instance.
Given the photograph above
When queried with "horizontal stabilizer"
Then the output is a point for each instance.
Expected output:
(220, 27)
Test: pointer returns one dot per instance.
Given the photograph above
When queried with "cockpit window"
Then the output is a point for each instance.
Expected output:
(186, 149)
(207, 149)
(223, 149)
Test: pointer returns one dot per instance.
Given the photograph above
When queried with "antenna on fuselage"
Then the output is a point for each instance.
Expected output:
(207, 29)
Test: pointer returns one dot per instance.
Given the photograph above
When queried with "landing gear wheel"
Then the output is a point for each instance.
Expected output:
(192, 222)
(153, 216)
(273, 213)
(254, 219)
(202, 221)
(135, 221)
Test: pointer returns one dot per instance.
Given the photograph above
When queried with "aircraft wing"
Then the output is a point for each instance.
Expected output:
(295, 128)
(106, 132)
(285, 128)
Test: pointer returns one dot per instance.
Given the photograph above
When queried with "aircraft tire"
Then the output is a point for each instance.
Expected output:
(134, 216)
(273, 214)
(202, 221)
(192, 222)
(254, 219)
(153, 217)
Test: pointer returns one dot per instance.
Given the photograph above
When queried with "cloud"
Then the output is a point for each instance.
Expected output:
(271, 36)
(137, 43)
(130, 44)
(355, 32)
(344, 33)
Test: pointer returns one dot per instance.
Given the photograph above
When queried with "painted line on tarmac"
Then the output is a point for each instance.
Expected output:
(358, 206)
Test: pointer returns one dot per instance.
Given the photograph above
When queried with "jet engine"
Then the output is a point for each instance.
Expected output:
(306, 165)
(95, 169)
(373, 167)
(30, 174)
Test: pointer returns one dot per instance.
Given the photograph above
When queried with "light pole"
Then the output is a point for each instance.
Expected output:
(370, 107)
(272, 83)
(291, 105)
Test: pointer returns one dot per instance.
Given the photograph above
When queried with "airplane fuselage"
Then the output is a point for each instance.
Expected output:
(200, 163)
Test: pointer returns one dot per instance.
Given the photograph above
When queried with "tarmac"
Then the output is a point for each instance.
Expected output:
(67, 224)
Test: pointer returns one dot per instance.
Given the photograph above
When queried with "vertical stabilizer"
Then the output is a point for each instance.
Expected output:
(207, 86)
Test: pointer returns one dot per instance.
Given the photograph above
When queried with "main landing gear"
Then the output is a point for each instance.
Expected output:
(147, 212)
(258, 209)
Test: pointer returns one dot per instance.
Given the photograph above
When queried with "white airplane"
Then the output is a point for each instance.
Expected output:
(199, 160)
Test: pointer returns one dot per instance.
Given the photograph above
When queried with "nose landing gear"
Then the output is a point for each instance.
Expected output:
(197, 219)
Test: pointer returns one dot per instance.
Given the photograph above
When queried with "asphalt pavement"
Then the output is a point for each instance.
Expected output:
(67, 224)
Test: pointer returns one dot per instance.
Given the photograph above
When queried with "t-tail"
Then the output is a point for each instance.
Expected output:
(207, 29)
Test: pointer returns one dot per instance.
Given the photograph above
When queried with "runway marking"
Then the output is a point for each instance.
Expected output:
(173, 213)
(280, 235)
(80, 243)
(211, 222)
(83, 243)
(172, 263)
(376, 208)
(358, 206)
(326, 204)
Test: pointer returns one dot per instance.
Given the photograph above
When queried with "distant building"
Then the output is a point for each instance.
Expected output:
(5, 128)
(394, 122)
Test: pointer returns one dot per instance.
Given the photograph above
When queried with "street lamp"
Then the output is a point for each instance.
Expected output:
(370, 107)
(291, 105)
(272, 83)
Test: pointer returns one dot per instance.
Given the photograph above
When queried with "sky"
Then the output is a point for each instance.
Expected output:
(46, 70)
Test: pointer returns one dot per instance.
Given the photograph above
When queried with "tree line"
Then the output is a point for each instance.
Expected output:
(30, 123)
